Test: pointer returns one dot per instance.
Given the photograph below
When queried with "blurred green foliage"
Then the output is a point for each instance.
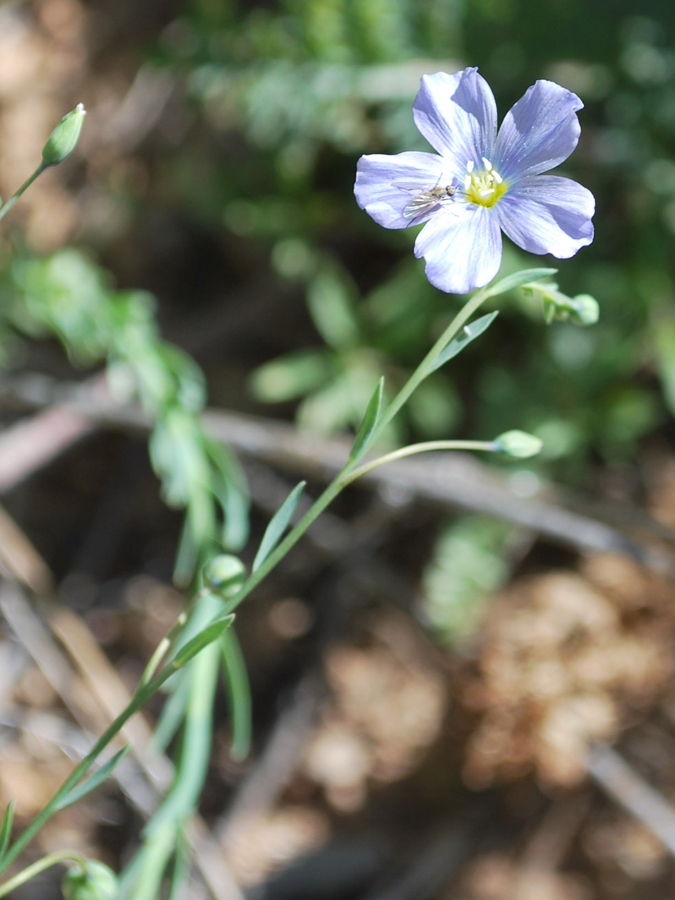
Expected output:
(68, 297)
(468, 564)
(287, 95)
(290, 93)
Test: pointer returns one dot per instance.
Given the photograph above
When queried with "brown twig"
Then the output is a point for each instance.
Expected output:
(618, 779)
(454, 480)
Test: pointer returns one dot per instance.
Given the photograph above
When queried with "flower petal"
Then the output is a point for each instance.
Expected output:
(462, 247)
(457, 114)
(386, 184)
(548, 214)
(539, 131)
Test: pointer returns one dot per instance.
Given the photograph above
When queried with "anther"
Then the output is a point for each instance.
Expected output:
(487, 163)
(469, 166)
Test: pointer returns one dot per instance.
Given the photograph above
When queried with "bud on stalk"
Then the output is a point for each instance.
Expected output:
(95, 882)
(63, 139)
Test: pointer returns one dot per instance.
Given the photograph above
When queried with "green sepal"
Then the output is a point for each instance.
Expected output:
(205, 637)
(6, 827)
(277, 526)
(97, 779)
(370, 420)
(469, 333)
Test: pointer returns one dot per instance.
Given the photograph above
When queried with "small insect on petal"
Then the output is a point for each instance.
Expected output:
(427, 200)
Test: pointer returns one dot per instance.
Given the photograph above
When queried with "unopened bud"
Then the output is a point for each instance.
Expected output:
(64, 137)
(585, 310)
(224, 574)
(95, 882)
(518, 444)
(580, 310)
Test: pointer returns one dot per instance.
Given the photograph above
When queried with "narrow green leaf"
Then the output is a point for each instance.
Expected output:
(205, 637)
(6, 827)
(172, 715)
(370, 419)
(515, 280)
(468, 334)
(187, 554)
(278, 525)
(94, 781)
(180, 871)
(239, 692)
(330, 298)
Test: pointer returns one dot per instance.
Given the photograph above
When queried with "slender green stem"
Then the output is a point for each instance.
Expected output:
(344, 477)
(349, 473)
(412, 449)
(27, 183)
(46, 862)
(138, 700)
(166, 645)
(425, 367)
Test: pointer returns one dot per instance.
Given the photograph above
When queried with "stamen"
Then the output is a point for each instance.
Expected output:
(497, 177)
(469, 166)
(487, 192)
(467, 181)
(487, 163)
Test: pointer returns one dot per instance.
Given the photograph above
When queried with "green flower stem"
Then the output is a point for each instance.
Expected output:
(349, 473)
(412, 449)
(346, 475)
(168, 642)
(426, 366)
(189, 777)
(46, 862)
(12, 200)
(137, 701)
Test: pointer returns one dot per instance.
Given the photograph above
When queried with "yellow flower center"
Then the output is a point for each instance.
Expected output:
(485, 186)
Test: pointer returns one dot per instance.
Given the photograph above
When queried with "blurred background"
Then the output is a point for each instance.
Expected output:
(463, 677)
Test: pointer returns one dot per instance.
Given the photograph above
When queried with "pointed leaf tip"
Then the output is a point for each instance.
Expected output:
(277, 525)
(94, 781)
(370, 420)
(205, 637)
(469, 333)
(6, 827)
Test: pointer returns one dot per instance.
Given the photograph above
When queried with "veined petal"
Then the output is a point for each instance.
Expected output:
(386, 184)
(548, 214)
(462, 247)
(539, 131)
(457, 114)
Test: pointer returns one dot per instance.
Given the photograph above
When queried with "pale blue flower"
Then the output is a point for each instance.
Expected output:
(482, 182)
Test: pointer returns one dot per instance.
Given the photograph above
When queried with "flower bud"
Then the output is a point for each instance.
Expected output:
(581, 310)
(224, 574)
(518, 444)
(585, 310)
(95, 882)
(64, 137)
